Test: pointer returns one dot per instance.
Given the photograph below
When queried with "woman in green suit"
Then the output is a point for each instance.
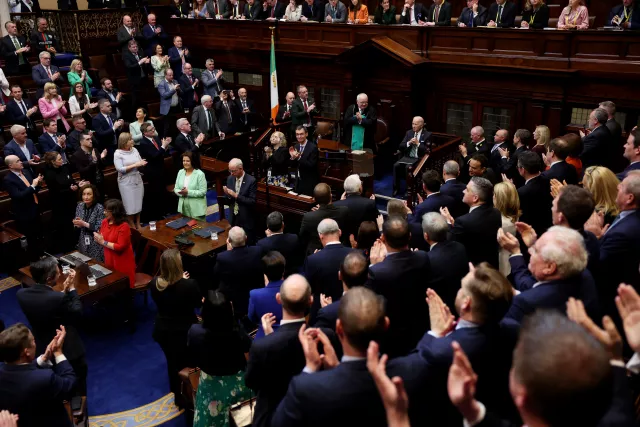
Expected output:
(191, 188)
(77, 74)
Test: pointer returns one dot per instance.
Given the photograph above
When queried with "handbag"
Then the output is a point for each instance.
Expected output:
(241, 414)
(190, 379)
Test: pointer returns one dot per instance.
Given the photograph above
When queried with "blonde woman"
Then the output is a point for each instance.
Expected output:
(276, 160)
(160, 64)
(293, 11)
(77, 74)
(574, 16)
(127, 161)
(506, 200)
(603, 185)
(542, 136)
(52, 107)
(176, 297)
(535, 15)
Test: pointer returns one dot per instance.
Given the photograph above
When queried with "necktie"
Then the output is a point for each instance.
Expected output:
(22, 107)
(153, 28)
(435, 18)
(235, 10)
(17, 45)
(154, 143)
(110, 121)
(305, 109)
(273, 11)
(190, 140)
(236, 208)
(49, 73)
(414, 148)
(24, 179)
(226, 106)
(302, 149)
(209, 120)
(471, 17)
(499, 17)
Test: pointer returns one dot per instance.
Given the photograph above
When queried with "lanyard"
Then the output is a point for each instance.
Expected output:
(533, 17)
(627, 16)
(568, 18)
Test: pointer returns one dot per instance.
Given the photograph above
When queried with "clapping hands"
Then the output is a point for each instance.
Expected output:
(310, 338)
(442, 321)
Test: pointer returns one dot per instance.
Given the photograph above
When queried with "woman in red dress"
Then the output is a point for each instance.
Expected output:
(115, 236)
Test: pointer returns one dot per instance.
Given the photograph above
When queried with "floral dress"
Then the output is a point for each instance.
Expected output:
(215, 395)
(94, 216)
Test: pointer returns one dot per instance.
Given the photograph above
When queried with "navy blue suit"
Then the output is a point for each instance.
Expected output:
(36, 394)
(508, 17)
(552, 294)
(403, 278)
(327, 316)
(347, 395)
(360, 209)
(634, 21)
(494, 156)
(12, 148)
(23, 206)
(40, 77)
(509, 166)
(596, 147)
(477, 231)
(313, 13)
(288, 245)
(449, 264)
(535, 202)
(467, 18)
(48, 144)
(153, 39)
(105, 134)
(593, 249)
(237, 272)
(321, 270)
(246, 201)
(176, 61)
(562, 171)
(622, 175)
(16, 115)
(454, 188)
(309, 228)
(263, 300)
(433, 203)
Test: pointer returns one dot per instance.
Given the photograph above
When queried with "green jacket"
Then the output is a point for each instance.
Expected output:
(195, 203)
(75, 78)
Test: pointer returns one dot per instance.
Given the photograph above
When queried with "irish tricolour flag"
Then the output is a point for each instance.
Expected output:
(273, 82)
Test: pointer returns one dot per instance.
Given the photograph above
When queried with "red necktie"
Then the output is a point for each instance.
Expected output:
(305, 109)
(273, 11)
(154, 144)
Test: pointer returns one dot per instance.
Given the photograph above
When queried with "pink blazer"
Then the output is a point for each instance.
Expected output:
(48, 111)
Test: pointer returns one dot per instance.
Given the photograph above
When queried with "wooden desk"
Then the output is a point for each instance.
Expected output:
(164, 235)
(109, 285)
(278, 199)
(219, 170)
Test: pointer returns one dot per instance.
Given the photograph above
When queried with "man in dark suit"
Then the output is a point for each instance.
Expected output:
(556, 272)
(246, 108)
(238, 270)
(321, 268)
(272, 10)
(236, 10)
(360, 208)
(284, 113)
(502, 14)
(21, 111)
(106, 128)
(625, 15)
(474, 15)
(241, 192)
(218, 9)
(23, 189)
(449, 262)
(79, 129)
(154, 35)
(500, 140)
(509, 161)
(558, 168)
(136, 69)
(612, 124)
(354, 271)
(185, 141)
(52, 140)
(112, 94)
(189, 87)
(287, 244)
(228, 113)
(345, 390)
(452, 187)
(305, 156)
(178, 56)
(439, 14)
(535, 194)
(265, 300)
(416, 143)
(21, 144)
(309, 238)
(278, 357)
(397, 207)
(15, 51)
(128, 32)
(34, 390)
(435, 200)
(413, 13)
(303, 110)
(312, 10)
(47, 310)
(251, 10)
(402, 276)
(360, 116)
(477, 230)
(478, 145)
(631, 153)
(154, 151)
(478, 166)
(44, 73)
(596, 145)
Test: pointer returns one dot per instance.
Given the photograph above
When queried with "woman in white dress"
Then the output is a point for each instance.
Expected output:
(293, 11)
(506, 200)
(127, 161)
(134, 127)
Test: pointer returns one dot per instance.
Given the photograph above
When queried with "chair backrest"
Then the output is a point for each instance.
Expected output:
(382, 131)
(324, 128)
(142, 248)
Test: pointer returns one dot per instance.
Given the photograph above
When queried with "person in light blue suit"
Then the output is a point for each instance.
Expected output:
(267, 300)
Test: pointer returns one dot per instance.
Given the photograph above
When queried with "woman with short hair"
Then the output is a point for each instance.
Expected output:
(127, 161)
(89, 216)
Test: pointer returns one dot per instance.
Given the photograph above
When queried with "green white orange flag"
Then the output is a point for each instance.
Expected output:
(273, 81)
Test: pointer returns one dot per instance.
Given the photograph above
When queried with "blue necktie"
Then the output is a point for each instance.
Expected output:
(471, 17)
(109, 120)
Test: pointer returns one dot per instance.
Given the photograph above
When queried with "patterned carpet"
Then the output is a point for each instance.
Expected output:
(152, 414)
(8, 283)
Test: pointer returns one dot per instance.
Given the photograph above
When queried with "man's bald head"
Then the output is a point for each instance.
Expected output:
(9, 160)
(295, 295)
(354, 270)
(361, 318)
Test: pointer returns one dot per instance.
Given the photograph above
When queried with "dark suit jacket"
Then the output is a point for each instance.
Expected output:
(540, 18)
(288, 245)
(423, 147)
(236, 272)
(48, 144)
(245, 118)
(370, 122)
(298, 114)
(181, 11)
(46, 310)
(154, 170)
(420, 11)
(88, 170)
(39, 43)
(23, 206)
(593, 249)
(273, 361)
(35, 394)
(226, 126)
(12, 147)
(246, 202)
(622, 175)
(449, 264)
(279, 12)
(124, 37)
(509, 166)
(17, 116)
(562, 171)
(176, 61)
(182, 145)
(417, 237)
(281, 112)
(11, 60)
(199, 123)
(634, 21)
(508, 18)
(134, 69)
(187, 91)
(40, 77)
(152, 39)
(346, 393)
(595, 148)
(321, 270)
(313, 13)
(252, 12)
(262, 301)
(309, 228)
(307, 164)
(535, 203)
(552, 294)
(444, 16)
(360, 209)
(483, 147)
(104, 133)
(402, 279)
(466, 17)
(103, 94)
(478, 231)
(454, 188)
(432, 203)
(495, 158)
(327, 316)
